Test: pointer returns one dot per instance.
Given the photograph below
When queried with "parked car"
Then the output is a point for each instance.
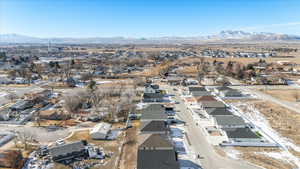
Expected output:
(60, 142)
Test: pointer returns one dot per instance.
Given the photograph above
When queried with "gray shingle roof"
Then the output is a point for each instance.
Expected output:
(157, 141)
(230, 120)
(240, 133)
(222, 88)
(192, 89)
(157, 159)
(67, 149)
(218, 111)
(154, 108)
(201, 93)
(213, 104)
(153, 96)
(154, 126)
(154, 112)
(154, 116)
(232, 92)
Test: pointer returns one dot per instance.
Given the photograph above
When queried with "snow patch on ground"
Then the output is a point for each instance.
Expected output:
(256, 118)
(284, 155)
(232, 153)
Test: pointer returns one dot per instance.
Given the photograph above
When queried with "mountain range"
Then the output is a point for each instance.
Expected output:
(223, 36)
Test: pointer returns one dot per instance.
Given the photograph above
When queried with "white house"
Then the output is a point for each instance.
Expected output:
(100, 131)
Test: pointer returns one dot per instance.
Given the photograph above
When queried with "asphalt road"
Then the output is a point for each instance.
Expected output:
(200, 145)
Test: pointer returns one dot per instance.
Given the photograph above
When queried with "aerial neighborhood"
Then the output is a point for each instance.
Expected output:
(148, 106)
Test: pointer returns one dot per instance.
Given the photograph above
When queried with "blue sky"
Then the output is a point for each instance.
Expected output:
(146, 18)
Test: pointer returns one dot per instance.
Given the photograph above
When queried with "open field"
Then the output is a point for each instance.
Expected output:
(284, 121)
(263, 160)
(285, 125)
(256, 156)
(291, 95)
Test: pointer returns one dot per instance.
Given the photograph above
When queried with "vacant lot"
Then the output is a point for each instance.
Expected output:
(291, 95)
(284, 121)
(254, 155)
(251, 155)
(129, 154)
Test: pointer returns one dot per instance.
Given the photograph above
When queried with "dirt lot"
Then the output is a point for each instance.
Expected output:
(129, 155)
(250, 154)
(291, 95)
(284, 121)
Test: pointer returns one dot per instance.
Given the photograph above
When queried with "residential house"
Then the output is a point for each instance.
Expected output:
(153, 108)
(100, 131)
(218, 90)
(242, 135)
(154, 112)
(188, 82)
(201, 93)
(153, 97)
(174, 80)
(227, 121)
(212, 104)
(149, 90)
(64, 153)
(218, 112)
(205, 98)
(156, 152)
(198, 91)
(231, 93)
(21, 105)
(195, 89)
(154, 127)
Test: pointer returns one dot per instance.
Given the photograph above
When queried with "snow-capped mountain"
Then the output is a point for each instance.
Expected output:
(258, 36)
(222, 36)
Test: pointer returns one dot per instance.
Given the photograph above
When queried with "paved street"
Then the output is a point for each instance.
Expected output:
(211, 160)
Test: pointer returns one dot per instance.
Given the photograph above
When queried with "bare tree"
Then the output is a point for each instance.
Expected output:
(202, 69)
(11, 96)
(72, 103)
(25, 137)
(97, 99)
